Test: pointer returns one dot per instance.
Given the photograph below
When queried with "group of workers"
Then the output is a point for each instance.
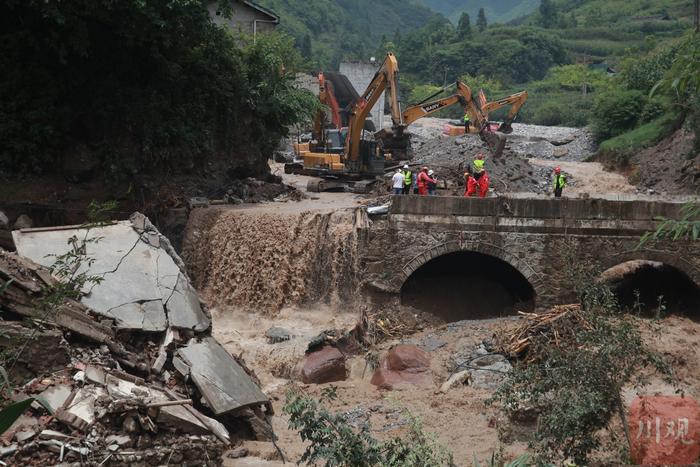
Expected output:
(476, 180)
(406, 182)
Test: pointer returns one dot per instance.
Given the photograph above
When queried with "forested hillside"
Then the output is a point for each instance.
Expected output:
(561, 53)
(497, 11)
(326, 31)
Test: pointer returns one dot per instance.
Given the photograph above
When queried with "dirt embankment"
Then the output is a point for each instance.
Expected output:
(665, 168)
(268, 260)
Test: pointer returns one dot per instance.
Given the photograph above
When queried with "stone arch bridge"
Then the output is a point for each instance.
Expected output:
(538, 237)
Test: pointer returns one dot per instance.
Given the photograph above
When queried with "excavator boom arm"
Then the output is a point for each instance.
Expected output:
(385, 79)
(417, 111)
(516, 101)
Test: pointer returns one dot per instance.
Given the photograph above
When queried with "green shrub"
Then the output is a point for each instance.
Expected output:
(332, 441)
(653, 109)
(616, 152)
(549, 114)
(643, 73)
(615, 112)
(575, 371)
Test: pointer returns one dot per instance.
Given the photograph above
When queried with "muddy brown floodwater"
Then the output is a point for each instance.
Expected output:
(292, 265)
(268, 260)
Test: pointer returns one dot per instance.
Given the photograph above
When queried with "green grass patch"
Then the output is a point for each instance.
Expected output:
(615, 152)
(641, 137)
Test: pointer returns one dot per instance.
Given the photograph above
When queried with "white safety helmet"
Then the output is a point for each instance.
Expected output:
(405, 166)
(430, 172)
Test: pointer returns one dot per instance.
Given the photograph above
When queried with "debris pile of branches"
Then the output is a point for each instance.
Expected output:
(557, 326)
(125, 372)
(382, 325)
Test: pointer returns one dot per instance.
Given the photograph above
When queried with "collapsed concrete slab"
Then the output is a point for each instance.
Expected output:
(224, 384)
(155, 387)
(144, 285)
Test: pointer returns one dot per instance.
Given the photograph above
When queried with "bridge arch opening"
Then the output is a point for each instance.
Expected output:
(468, 285)
(642, 285)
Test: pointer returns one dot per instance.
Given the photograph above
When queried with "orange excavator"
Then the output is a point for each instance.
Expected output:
(337, 94)
(362, 160)
(479, 114)
(516, 101)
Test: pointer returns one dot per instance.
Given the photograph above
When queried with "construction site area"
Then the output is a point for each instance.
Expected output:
(134, 342)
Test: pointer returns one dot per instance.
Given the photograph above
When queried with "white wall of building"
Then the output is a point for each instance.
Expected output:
(360, 75)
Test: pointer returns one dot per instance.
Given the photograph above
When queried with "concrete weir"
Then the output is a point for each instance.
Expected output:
(540, 238)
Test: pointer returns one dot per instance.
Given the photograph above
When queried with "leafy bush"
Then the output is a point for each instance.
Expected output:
(332, 440)
(577, 370)
(643, 73)
(685, 228)
(549, 114)
(653, 109)
(682, 84)
(615, 112)
(616, 152)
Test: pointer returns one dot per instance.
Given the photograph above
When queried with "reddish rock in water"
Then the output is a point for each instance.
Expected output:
(404, 365)
(324, 366)
(665, 430)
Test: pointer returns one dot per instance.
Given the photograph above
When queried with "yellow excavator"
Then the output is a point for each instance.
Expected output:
(361, 160)
(399, 144)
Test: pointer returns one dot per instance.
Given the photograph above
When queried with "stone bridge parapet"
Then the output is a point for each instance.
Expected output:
(539, 237)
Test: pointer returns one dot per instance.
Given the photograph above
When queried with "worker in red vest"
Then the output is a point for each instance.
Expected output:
(423, 180)
(479, 181)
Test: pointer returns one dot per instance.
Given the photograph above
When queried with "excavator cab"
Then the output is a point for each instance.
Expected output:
(335, 140)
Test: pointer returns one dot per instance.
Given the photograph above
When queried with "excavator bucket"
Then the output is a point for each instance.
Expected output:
(495, 141)
(506, 128)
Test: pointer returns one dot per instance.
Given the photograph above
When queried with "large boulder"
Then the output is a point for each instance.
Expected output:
(4, 221)
(23, 222)
(324, 366)
(665, 430)
(404, 365)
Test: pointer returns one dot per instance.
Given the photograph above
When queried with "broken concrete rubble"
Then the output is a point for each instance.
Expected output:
(224, 384)
(117, 398)
(45, 350)
(144, 286)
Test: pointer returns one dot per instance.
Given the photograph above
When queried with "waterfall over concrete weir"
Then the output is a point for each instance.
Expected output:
(264, 261)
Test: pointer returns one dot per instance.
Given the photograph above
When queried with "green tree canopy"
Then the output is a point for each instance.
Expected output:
(548, 14)
(464, 27)
(141, 84)
(481, 22)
